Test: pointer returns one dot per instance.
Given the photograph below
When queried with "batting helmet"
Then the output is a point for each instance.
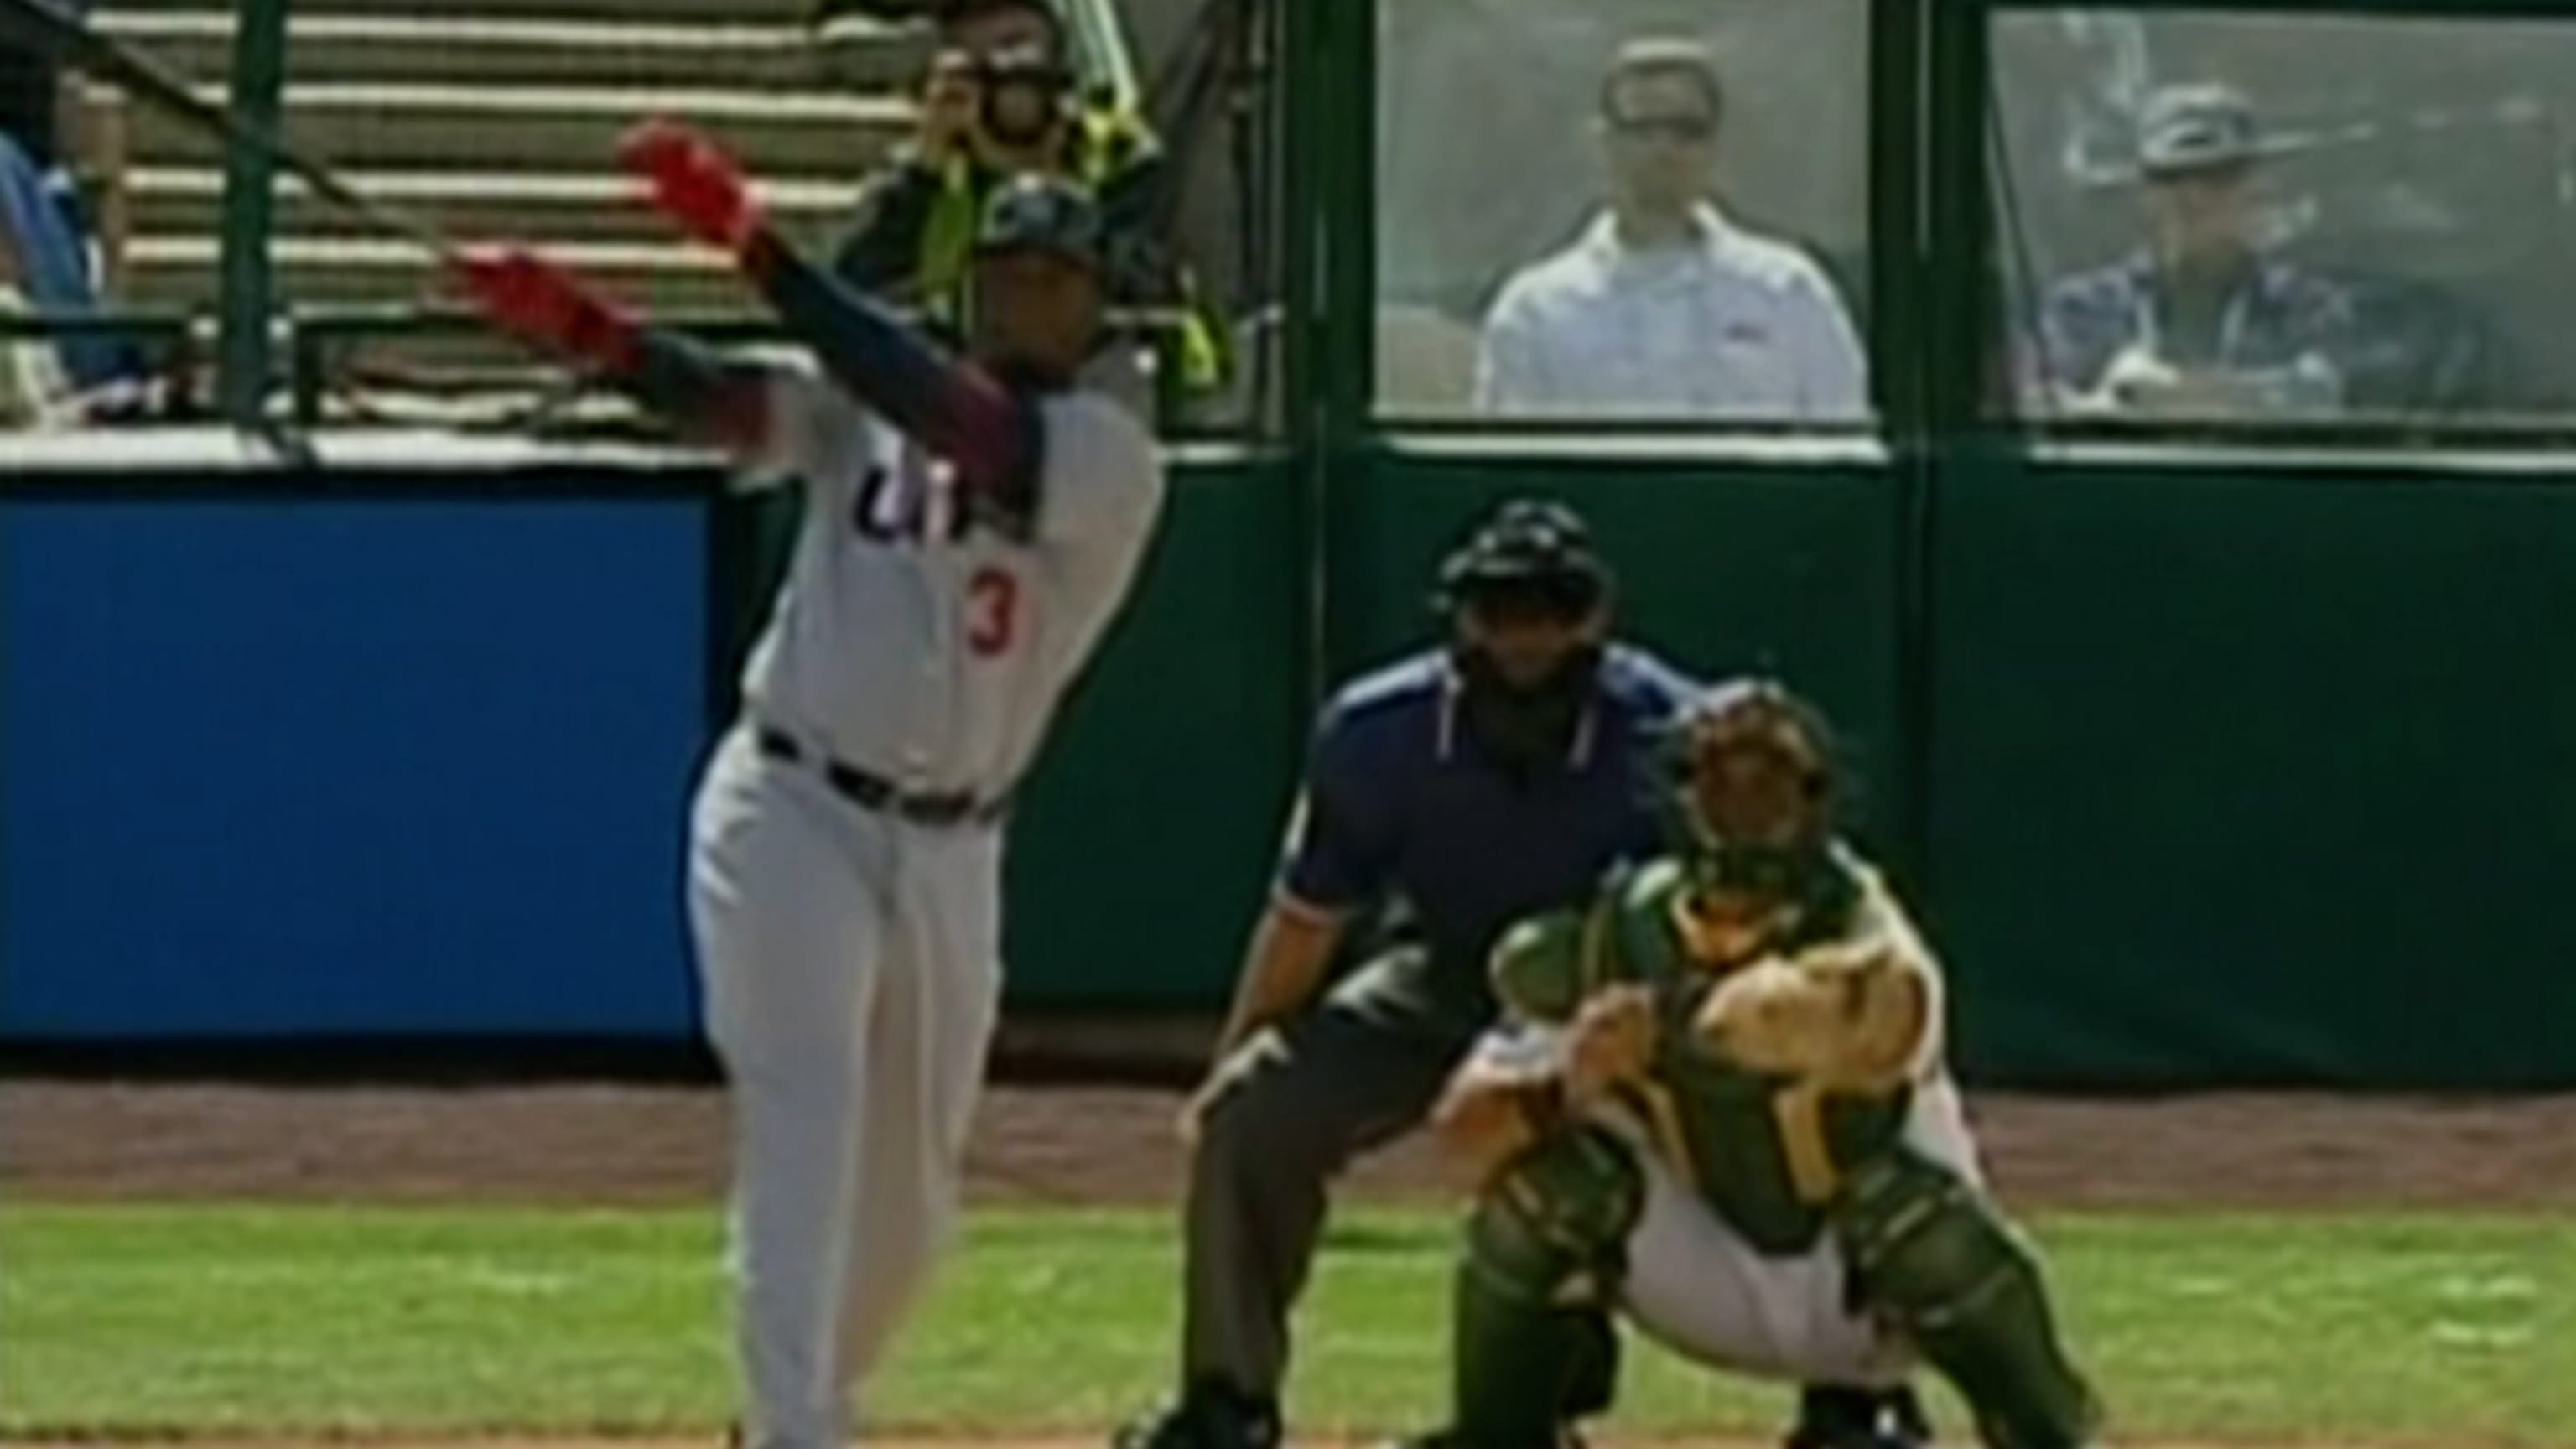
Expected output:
(1031, 212)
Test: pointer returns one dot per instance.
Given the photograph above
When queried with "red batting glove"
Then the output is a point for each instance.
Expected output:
(693, 180)
(540, 303)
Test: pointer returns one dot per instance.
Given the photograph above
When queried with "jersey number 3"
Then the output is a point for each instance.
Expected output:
(992, 611)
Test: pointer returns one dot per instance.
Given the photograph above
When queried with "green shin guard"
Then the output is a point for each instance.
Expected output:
(1930, 1251)
(1534, 1347)
(1524, 1369)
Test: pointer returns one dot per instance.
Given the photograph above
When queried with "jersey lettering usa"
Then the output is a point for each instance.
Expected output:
(910, 638)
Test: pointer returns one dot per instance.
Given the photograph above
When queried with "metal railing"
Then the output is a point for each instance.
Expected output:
(315, 342)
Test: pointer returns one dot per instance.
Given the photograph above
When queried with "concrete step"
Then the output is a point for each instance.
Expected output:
(538, 207)
(478, 351)
(165, 271)
(552, 128)
(505, 51)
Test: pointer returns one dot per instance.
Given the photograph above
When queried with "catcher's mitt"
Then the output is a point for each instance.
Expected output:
(1845, 1018)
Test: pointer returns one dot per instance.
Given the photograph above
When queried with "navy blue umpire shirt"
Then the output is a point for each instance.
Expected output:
(1402, 804)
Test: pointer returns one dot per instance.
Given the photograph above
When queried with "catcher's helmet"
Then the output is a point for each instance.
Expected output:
(1030, 212)
(1749, 780)
(1530, 553)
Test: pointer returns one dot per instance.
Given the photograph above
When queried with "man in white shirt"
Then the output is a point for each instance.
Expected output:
(1664, 308)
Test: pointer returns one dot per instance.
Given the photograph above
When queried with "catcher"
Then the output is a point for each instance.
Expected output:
(1715, 1104)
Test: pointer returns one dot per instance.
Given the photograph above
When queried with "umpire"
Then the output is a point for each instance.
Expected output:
(1446, 796)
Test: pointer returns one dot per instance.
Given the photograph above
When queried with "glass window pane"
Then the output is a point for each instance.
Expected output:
(1628, 210)
(2264, 218)
(1208, 76)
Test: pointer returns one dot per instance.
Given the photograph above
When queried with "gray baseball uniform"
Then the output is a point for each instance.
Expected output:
(846, 853)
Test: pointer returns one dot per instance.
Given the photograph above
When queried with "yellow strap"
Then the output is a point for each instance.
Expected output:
(1654, 1105)
(1593, 961)
(1799, 1113)
(1203, 353)
(947, 241)
(1111, 138)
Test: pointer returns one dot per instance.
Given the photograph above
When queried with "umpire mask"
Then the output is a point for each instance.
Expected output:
(1525, 725)
(1525, 596)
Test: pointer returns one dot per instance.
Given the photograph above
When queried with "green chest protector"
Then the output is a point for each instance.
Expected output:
(1766, 1153)
(1545, 1245)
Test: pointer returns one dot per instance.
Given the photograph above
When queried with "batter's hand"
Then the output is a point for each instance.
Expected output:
(694, 181)
(1613, 1041)
(540, 303)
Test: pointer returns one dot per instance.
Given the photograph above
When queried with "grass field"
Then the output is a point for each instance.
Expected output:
(2388, 1329)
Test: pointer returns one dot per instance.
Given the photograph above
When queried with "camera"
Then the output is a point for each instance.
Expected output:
(1024, 97)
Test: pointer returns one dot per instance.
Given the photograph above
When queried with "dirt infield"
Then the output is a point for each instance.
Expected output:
(1086, 1144)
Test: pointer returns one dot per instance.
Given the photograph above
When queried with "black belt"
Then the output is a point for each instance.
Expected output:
(870, 791)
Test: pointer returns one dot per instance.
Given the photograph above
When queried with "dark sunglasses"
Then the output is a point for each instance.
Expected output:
(1560, 599)
(1671, 128)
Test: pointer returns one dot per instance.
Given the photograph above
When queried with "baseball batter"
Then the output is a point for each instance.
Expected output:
(967, 536)
(1716, 1105)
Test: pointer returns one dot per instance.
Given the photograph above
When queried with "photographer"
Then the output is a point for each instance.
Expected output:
(1000, 98)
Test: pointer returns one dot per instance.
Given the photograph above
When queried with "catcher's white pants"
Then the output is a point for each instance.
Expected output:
(851, 965)
(1700, 1289)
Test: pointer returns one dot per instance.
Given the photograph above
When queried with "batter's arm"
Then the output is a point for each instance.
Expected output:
(952, 408)
(706, 399)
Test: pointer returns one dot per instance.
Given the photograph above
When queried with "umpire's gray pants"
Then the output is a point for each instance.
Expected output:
(1297, 1103)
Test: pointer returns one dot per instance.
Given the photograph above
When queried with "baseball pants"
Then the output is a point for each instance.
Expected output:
(1297, 1103)
(1695, 1284)
(851, 964)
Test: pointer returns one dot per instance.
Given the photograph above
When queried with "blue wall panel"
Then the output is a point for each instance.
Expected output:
(400, 766)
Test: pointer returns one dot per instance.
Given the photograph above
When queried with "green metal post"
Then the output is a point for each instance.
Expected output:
(1299, 95)
(1904, 277)
(1948, 321)
(1347, 194)
(1341, 89)
(249, 283)
(1298, 79)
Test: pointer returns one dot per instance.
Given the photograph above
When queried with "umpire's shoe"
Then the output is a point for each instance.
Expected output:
(1208, 1415)
(1846, 1418)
